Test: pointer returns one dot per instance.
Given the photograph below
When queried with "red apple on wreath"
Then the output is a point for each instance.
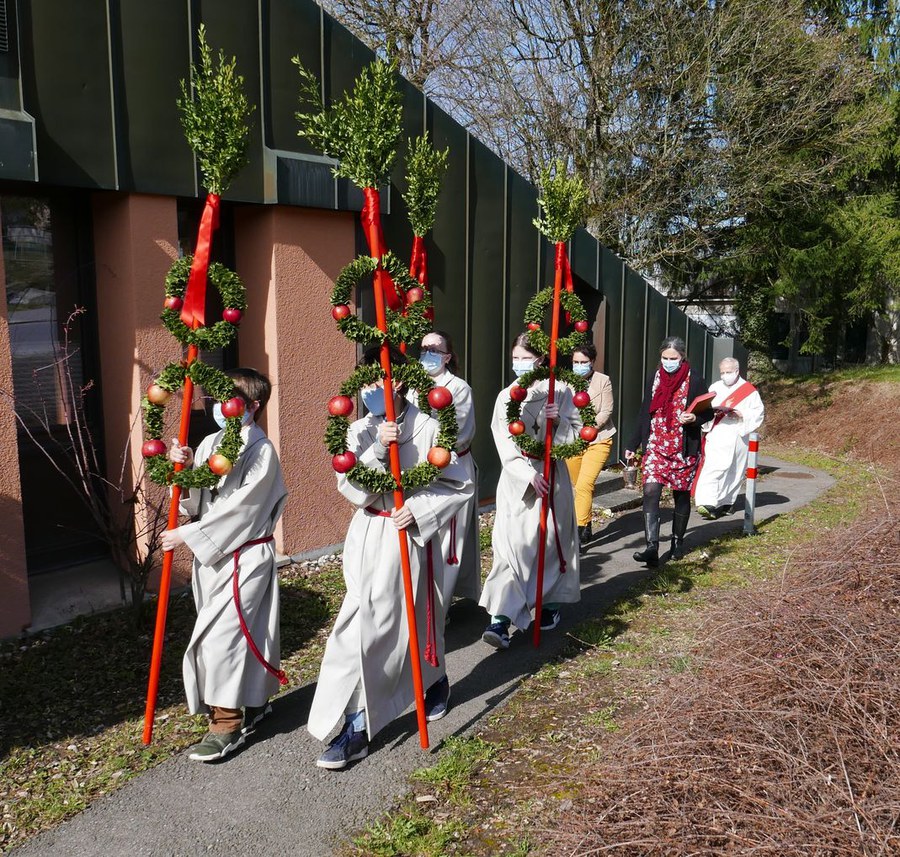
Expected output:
(414, 295)
(157, 395)
(588, 433)
(232, 315)
(340, 406)
(518, 393)
(533, 325)
(233, 407)
(343, 461)
(153, 447)
(581, 326)
(173, 302)
(439, 398)
(340, 312)
(219, 464)
(439, 456)
(516, 427)
(581, 399)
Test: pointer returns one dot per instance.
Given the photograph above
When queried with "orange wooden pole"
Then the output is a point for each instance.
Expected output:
(165, 581)
(548, 443)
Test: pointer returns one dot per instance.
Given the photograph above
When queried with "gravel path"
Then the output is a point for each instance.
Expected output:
(271, 799)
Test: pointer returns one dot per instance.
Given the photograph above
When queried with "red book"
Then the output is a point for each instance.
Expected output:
(700, 404)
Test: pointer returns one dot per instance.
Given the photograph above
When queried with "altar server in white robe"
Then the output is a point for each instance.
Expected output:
(232, 526)
(460, 549)
(366, 675)
(739, 411)
(510, 591)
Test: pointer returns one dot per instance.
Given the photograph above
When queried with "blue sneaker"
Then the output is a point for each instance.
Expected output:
(549, 619)
(437, 699)
(497, 635)
(348, 747)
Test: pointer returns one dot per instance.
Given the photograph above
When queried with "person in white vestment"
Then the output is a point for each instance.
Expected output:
(365, 679)
(459, 541)
(510, 591)
(230, 535)
(739, 410)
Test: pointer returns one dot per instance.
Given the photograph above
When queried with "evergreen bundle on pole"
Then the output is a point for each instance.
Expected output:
(563, 200)
(425, 171)
(214, 114)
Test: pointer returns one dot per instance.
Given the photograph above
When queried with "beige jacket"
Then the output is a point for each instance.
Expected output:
(601, 393)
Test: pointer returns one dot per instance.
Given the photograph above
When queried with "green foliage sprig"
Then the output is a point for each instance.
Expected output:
(564, 201)
(214, 113)
(534, 314)
(234, 296)
(216, 384)
(410, 327)
(361, 131)
(535, 448)
(425, 170)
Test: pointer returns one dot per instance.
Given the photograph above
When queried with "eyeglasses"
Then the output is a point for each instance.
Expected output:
(428, 349)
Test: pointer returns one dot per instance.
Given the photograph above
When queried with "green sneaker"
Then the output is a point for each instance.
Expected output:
(216, 745)
(703, 512)
(253, 715)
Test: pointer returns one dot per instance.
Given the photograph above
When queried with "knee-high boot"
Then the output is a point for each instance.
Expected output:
(650, 555)
(679, 528)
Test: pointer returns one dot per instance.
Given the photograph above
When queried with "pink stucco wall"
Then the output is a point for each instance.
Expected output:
(15, 611)
(289, 259)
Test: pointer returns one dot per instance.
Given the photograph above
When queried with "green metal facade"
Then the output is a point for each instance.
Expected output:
(97, 82)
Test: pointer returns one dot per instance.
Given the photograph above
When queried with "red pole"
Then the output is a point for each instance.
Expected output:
(394, 452)
(165, 581)
(548, 443)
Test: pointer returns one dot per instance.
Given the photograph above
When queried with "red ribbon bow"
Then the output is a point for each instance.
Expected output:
(194, 308)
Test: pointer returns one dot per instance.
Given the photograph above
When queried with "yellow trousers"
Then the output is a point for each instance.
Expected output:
(584, 470)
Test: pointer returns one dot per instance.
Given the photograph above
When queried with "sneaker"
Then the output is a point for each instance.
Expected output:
(497, 635)
(704, 512)
(348, 747)
(253, 715)
(437, 699)
(549, 619)
(216, 745)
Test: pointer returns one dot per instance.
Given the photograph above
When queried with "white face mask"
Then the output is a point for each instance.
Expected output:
(582, 369)
(671, 364)
(432, 363)
(729, 379)
(522, 367)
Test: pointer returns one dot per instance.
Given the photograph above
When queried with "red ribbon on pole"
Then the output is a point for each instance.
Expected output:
(567, 271)
(371, 223)
(371, 220)
(194, 307)
(561, 264)
(418, 268)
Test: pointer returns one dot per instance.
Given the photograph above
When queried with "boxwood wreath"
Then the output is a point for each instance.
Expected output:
(534, 317)
(415, 378)
(535, 448)
(216, 384)
(234, 297)
(408, 327)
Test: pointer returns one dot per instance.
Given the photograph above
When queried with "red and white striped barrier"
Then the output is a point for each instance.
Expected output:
(750, 489)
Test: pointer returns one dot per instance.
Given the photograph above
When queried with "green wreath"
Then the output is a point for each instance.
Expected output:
(218, 385)
(534, 317)
(559, 451)
(407, 326)
(234, 296)
(378, 481)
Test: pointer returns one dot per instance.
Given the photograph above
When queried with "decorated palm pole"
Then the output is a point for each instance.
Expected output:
(563, 200)
(425, 167)
(214, 112)
(361, 133)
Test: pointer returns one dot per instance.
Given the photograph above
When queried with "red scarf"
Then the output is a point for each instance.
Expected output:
(663, 398)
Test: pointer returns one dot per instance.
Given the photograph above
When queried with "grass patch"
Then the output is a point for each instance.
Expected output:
(409, 834)
(459, 761)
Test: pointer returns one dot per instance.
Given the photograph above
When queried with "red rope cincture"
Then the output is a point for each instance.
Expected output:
(279, 674)
(430, 632)
(452, 558)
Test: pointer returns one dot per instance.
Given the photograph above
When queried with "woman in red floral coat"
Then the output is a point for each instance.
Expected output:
(670, 439)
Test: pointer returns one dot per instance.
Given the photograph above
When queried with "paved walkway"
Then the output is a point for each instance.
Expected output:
(271, 799)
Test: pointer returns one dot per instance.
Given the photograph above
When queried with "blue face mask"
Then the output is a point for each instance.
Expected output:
(522, 367)
(671, 365)
(431, 363)
(220, 418)
(373, 399)
(583, 369)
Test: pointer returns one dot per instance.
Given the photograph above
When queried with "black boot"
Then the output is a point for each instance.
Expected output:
(650, 555)
(584, 534)
(679, 528)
